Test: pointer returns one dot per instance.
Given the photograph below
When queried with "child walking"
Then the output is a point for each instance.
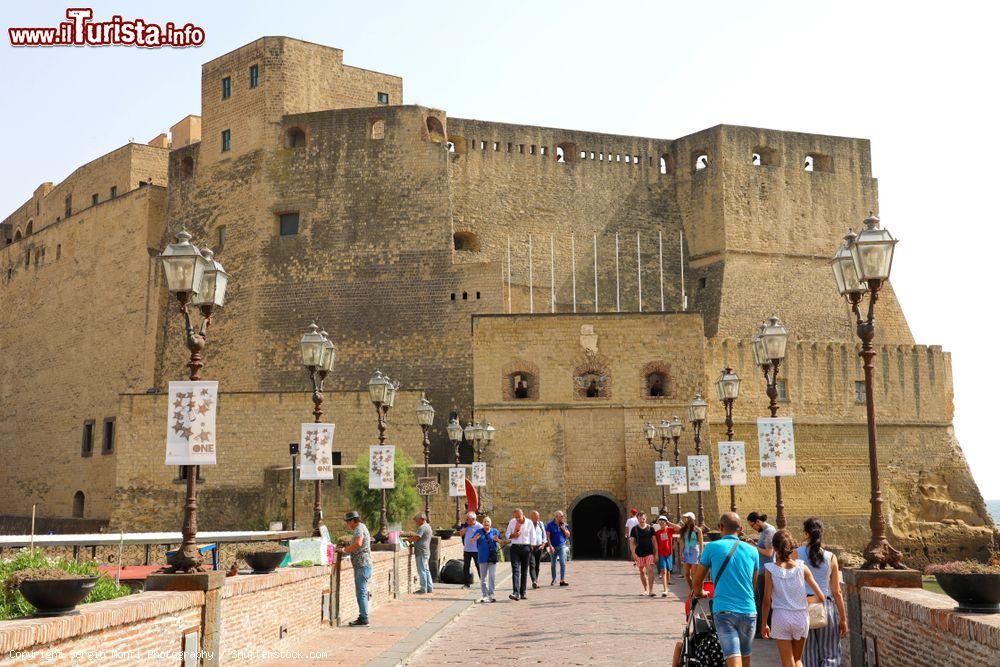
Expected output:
(785, 591)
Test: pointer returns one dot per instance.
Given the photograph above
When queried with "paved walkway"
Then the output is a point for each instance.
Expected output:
(600, 619)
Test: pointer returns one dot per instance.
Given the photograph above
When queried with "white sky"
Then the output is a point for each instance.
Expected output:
(918, 79)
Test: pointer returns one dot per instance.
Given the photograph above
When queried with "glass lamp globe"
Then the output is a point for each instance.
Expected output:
(489, 432)
(676, 426)
(728, 385)
(379, 388)
(698, 409)
(329, 351)
(311, 345)
(425, 413)
(214, 281)
(774, 339)
(454, 430)
(872, 251)
(664, 428)
(182, 265)
(649, 430)
(843, 269)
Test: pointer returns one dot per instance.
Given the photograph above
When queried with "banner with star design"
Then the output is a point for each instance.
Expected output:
(456, 482)
(699, 478)
(662, 472)
(479, 473)
(777, 446)
(191, 423)
(316, 450)
(382, 467)
(678, 479)
(732, 463)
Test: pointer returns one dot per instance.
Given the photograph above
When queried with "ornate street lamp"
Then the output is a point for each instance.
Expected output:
(195, 278)
(870, 262)
(768, 351)
(676, 427)
(455, 434)
(425, 417)
(728, 389)
(382, 392)
(651, 432)
(318, 354)
(697, 414)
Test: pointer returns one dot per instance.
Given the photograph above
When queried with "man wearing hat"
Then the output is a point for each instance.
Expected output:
(360, 550)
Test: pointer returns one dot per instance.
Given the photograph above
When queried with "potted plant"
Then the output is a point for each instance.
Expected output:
(263, 557)
(50, 590)
(973, 585)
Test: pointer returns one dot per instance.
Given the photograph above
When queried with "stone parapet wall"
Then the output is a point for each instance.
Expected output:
(909, 626)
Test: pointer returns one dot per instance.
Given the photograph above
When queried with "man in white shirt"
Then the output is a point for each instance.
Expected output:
(631, 523)
(539, 542)
(520, 532)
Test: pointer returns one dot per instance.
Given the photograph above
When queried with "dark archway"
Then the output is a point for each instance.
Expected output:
(597, 525)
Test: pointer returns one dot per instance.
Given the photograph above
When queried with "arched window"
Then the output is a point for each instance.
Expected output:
(466, 241)
(566, 152)
(30, 229)
(187, 167)
(656, 380)
(376, 128)
(666, 163)
(457, 144)
(17, 235)
(699, 161)
(295, 138)
(818, 162)
(762, 156)
(591, 381)
(78, 500)
(522, 385)
(435, 130)
(520, 382)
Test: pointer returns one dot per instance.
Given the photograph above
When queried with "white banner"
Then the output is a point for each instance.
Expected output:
(776, 440)
(191, 423)
(479, 473)
(678, 479)
(456, 481)
(661, 472)
(316, 447)
(382, 467)
(699, 473)
(732, 463)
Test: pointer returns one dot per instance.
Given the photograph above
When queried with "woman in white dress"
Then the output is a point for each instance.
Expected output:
(785, 583)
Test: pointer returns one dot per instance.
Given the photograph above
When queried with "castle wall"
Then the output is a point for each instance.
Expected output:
(79, 326)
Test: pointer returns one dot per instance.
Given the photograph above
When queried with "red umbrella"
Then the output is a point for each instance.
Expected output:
(471, 497)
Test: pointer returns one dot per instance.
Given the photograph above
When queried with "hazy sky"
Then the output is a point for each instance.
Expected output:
(919, 80)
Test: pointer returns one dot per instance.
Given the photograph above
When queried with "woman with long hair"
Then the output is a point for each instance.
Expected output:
(785, 582)
(692, 542)
(823, 647)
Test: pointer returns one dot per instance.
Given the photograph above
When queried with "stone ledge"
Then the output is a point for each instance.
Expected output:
(24, 633)
(937, 611)
(244, 584)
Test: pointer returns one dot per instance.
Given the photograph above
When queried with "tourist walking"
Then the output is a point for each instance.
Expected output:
(643, 548)
(733, 567)
(823, 645)
(785, 583)
(469, 554)
(558, 536)
(758, 522)
(539, 543)
(630, 523)
(692, 544)
(421, 543)
(487, 541)
(360, 550)
(520, 531)
(665, 532)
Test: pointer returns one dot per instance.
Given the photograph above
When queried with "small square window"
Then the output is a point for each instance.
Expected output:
(383, 98)
(108, 442)
(226, 88)
(114, 191)
(87, 446)
(288, 224)
(860, 395)
(254, 76)
(335, 456)
(782, 391)
(94, 198)
(702, 282)
(226, 140)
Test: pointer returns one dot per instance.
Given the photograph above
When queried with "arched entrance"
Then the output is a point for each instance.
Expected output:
(596, 521)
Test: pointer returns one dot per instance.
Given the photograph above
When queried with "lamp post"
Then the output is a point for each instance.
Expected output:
(318, 355)
(676, 426)
(651, 432)
(728, 389)
(455, 433)
(293, 451)
(425, 417)
(768, 348)
(862, 265)
(382, 392)
(196, 279)
(697, 413)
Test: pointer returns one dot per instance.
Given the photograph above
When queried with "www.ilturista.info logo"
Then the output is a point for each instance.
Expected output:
(80, 30)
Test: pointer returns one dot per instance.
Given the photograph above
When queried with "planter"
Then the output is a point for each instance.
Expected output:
(55, 597)
(974, 593)
(445, 533)
(264, 562)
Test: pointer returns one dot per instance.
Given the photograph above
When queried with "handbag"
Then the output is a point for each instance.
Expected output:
(818, 617)
(494, 556)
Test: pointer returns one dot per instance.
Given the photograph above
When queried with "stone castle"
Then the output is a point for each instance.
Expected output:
(459, 257)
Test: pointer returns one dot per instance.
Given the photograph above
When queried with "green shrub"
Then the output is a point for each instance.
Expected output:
(401, 502)
(13, 604)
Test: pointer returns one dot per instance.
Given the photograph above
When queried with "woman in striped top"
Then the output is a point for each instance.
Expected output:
(823, 647)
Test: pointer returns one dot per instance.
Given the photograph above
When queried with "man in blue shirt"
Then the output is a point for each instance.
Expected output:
(558, 533)
(733, 604)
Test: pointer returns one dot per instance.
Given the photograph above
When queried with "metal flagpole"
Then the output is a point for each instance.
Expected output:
(638, 263)
(508, 276)
(572, 242)
(684, 299)
(595, 274)
(660, 233)
(531, 282)
(618, 291)
(552, 273)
